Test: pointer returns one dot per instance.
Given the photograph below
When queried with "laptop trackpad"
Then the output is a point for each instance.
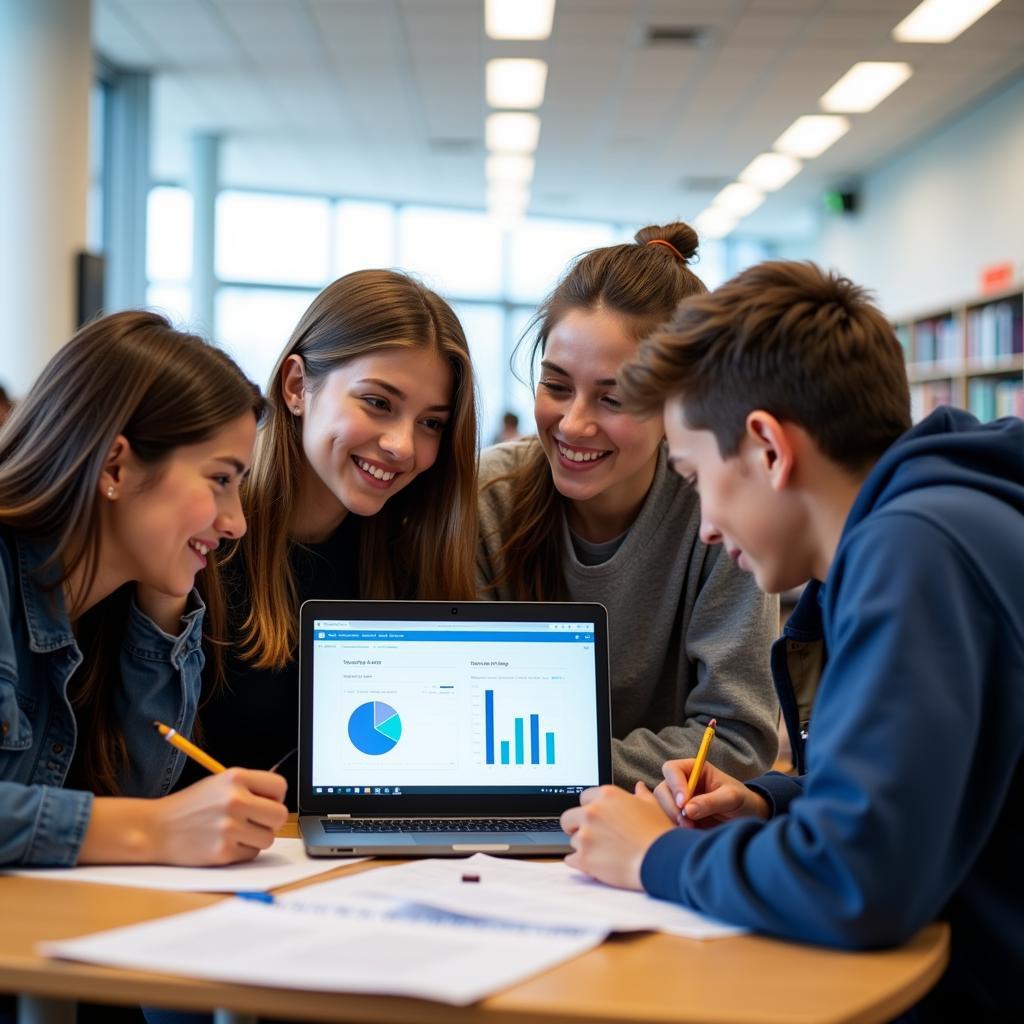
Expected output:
(472, 842)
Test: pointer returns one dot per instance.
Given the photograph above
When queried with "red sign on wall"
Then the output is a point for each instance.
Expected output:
(996, 278)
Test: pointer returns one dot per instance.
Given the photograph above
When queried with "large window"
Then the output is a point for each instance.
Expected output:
(364, 237)
(484, 325)
(169, 253)
(273, 239)
(456, 253)
(540, 252)
(254, 324)
(274, 252)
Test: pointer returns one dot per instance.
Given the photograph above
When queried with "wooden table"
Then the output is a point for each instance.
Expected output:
(655, 978)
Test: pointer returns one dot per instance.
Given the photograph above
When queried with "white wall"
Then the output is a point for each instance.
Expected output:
(931, 218)
(45, 75)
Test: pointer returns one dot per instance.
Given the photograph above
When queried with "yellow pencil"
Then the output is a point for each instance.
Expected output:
(187, 747)
(702, 756)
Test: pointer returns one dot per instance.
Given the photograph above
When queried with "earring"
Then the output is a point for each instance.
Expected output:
(110, 491)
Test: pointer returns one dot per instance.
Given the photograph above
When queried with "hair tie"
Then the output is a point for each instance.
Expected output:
(668, 245)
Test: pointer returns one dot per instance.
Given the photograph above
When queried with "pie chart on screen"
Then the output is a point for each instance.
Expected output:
(374, 727)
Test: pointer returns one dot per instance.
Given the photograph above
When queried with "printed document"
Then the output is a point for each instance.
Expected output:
(426, 955)
(500, 889)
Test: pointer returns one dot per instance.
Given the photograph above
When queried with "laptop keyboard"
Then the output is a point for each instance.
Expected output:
(441, 825)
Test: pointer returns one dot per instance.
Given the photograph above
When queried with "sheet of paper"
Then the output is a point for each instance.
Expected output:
(284, 862)
(316, 948)
(514, 890)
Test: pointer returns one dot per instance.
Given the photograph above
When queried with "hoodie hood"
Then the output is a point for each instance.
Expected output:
(948, 448)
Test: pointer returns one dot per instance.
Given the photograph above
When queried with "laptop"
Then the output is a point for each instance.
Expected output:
(431, 728)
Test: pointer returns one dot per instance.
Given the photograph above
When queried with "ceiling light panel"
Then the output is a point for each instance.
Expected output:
(940, 21)
(738, 199)
(511, 167)
(516, 83)
(865, 85)
(507, 194)
(512, 132)
(714, 223)
(809, 136)
(770, 171)
(519, 19)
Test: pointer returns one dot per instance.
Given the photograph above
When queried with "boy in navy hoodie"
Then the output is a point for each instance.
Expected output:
(786, 403)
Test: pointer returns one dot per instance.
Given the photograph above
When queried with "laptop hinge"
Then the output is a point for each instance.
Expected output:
(333, 816)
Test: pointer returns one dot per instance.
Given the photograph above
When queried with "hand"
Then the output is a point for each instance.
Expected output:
(222, 819)
(611, 832)
(163, 609)
(718, 798)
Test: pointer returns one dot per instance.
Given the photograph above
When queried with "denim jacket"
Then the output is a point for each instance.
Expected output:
(41, 823)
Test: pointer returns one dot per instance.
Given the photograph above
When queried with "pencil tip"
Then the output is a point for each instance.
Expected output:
(713, 724)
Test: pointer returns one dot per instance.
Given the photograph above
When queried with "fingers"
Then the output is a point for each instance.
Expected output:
(257, 796)
(695, 810)
(640, 790)
(588, 796)
(677, 778)
(252, 803)
(571, 820)
(266, 784)
(667, 801)
(725, 801)
(252, 836)
(250, 825)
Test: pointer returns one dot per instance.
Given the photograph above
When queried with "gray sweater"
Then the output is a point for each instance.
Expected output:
(689, 632)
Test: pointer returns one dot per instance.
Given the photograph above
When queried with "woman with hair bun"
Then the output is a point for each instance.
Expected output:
(588, 510)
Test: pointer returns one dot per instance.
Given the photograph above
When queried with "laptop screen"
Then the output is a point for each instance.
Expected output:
(490, 707)
(419, 707)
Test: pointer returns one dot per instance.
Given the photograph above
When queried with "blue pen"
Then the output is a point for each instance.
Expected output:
(256, 897)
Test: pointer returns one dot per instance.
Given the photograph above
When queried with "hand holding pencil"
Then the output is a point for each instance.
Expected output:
(229, 816)
(696, 794)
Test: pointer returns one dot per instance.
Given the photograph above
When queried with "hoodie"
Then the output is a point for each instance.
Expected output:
(911, 805)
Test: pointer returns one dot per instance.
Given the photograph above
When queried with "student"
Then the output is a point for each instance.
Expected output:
(509, 428)
(786, 401)
(363, 486)
(579, 513)
(119, 476)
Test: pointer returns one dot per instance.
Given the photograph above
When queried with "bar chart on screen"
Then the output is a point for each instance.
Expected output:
(519, 751)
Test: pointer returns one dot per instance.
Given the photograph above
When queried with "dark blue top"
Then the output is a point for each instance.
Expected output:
(912, 804)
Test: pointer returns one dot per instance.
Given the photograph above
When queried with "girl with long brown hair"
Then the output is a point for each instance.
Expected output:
(363, 486)
(588, 511)
(119, 476)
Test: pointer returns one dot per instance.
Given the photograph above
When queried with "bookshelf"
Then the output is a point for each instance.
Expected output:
(970, 355)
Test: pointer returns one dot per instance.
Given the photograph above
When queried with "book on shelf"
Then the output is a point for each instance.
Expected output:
(970, 355)
(990, 398)
(927, 397)
(937, 340)
(994, 331)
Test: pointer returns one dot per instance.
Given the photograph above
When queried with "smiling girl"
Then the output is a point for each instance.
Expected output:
(588, 511)
(363, 486)
(119, 476)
